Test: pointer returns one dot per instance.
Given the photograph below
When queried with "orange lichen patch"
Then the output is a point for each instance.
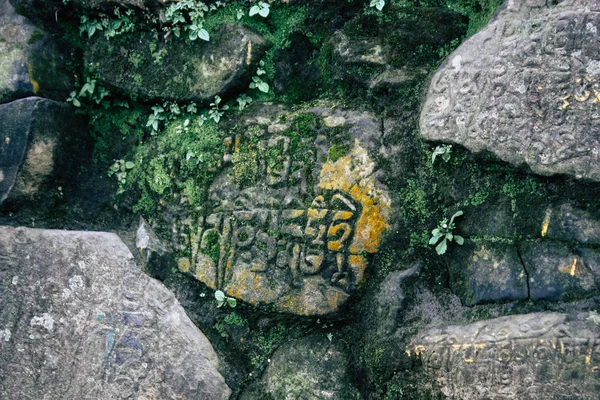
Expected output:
(354, 174)
(184, 264)
(596, 96)
(358, 265)
(34, 83)
(546, 222)
(206, 270)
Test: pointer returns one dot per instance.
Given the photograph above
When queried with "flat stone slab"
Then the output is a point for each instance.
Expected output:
(80, 320)
(295, 214)
(531, 356)
(526, 88)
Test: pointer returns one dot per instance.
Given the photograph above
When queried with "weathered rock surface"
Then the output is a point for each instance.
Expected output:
(381, 55)
(533, 356)
(80, 320)
(32, 63)
(571, 224)
(37, 143)
(295, 213)
(147, 68)
(556, 272)
(156, 257)
(484, 272)
(309, 368)
(525, 88)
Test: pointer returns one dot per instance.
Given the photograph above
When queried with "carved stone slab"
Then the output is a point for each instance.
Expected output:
(531, 356)
(80, 320)
(526, 88)
(297, 232)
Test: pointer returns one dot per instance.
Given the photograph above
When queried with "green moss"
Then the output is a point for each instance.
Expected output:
(35, 37)
(337, 151)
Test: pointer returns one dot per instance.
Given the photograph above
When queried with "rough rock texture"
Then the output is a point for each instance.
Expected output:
(156, 257)
(32, 63)
(526, 88)
(373, 54)
(532, 356)
(79, 320)
(484, 272)
(568, 223)
(556, 272)
(295, 214)
(184, 71)
(390, 298)
(37, 143)
(309, 368)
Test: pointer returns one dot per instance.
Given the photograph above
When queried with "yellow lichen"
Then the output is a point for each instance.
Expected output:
(354, 174)
(34, 83)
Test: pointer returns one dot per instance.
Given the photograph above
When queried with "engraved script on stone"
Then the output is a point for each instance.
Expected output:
(299, 237)
(533, 356)
(526, 88)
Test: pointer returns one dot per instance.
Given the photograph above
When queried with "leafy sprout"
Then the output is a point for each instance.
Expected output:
(443, 151)
(444, 232)
(261, 9)
(222, 300)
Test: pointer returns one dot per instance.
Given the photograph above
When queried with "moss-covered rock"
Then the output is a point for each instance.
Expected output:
(32, 63)
(144, 66)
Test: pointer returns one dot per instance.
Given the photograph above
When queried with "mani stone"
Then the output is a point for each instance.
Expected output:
(526, 88)
(177, 70)
(37, 138)
(532, 356)
(80, 320)
(295, 215)
(31, 61)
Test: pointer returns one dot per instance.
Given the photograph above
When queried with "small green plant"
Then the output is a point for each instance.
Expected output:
(110, 26)
(155, 118)
(257, 82)
(215, 112)
(119, 170)
(443, 151)
(378, 4)
(243, 101)
(89, 91)
(444, 231)
(261, 9)
(221, 299)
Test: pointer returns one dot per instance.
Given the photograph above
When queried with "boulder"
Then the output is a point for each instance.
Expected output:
(487, 271)
(80, 320)
(32, 63)
(532, 356)
(145, 67)
(38, 143)
(295, 213)
(312, 367)
(525, 88)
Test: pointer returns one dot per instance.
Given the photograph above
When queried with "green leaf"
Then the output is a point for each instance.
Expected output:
(264, 12)
(459, 240)
(231, 302)
(76, 103)
(240, 14)
(456, 214)
(129, 165)
(219, 295)
(442, 247)
(434, 240)
(203, 34)
(263, 87)
(449, 236)
(253, 10)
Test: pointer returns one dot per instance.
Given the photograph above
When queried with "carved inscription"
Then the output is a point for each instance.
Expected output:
(526, 88)
(515, 357)
(286, 225)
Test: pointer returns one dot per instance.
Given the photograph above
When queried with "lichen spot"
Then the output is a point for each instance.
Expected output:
(34, 83)
(546, 222)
